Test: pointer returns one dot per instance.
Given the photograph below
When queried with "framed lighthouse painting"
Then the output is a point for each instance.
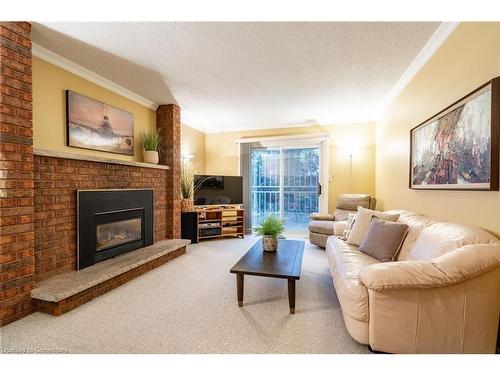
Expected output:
(98, 126)
(458, 148)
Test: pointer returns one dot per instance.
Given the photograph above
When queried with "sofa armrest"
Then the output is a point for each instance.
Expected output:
(321, 217)
(339, 227)
(401, 275)
(456, 266)
(469, 261)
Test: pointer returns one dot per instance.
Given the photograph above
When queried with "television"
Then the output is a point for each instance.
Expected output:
(218, 190)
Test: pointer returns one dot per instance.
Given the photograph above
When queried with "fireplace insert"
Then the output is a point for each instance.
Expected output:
(113, 222)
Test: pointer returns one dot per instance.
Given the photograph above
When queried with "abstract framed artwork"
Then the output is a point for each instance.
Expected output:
(458, 148)
(94, 125)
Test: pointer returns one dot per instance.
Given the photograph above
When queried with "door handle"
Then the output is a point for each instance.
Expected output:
(319, 189)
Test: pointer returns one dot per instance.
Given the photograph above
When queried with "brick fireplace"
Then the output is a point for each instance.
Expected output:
(38, 188)
(57, 181)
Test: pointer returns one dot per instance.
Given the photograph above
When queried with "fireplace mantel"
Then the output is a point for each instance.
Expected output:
(98, 159)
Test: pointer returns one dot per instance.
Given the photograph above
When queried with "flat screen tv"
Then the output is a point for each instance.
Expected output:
(223, 190)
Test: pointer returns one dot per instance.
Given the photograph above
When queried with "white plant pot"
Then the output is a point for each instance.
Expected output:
(151, 157)
(269, 244)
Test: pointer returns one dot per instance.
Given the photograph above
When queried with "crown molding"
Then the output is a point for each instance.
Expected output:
(431, 46)
(66, 64)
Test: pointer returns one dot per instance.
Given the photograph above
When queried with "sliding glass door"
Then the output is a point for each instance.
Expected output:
(265, 184)
(285, 183)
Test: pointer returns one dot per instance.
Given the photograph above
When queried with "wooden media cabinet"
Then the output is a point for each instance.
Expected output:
(213, 222)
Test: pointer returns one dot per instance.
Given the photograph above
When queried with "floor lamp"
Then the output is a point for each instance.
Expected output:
(350, 171)
(351, 149)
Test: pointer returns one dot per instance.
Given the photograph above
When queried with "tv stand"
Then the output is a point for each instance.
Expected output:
(213, 222)
(217, 207)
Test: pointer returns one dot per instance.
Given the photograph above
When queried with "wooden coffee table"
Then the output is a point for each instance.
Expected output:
(286, 263)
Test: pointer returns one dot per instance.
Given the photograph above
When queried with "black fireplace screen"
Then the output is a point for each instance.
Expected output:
(113, 222)
(118, 233)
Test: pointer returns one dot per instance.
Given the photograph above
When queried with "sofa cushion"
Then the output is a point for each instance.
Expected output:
(416, 223)
(323, 227)
(362, 223)
(350, 202)
(439, 238)
(384, 239)
(345, 262)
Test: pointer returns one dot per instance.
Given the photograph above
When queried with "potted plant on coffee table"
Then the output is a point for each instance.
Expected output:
(151, 145)
(270, 229)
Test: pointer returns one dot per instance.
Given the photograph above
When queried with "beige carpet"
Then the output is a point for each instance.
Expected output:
(189, 306)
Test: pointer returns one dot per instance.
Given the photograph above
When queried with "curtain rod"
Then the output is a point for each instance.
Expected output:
(284, 138)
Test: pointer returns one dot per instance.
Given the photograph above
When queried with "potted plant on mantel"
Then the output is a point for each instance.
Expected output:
(151, 145)
(187, 187)
(270, 229)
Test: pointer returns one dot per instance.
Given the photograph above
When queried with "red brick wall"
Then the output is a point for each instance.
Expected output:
(38, 194)
(16, 172)
(168, 122)
(56, 183)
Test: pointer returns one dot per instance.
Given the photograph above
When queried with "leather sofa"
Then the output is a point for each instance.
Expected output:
(323, 226)
(442, 295)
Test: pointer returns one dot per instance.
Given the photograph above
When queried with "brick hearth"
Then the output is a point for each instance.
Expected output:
(66, 292)
(38, 193)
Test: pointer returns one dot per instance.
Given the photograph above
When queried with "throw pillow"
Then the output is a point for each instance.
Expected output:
(348, 227)
(384, 239)
(362, 223)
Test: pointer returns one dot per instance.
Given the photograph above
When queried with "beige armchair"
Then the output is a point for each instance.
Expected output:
(323, 226)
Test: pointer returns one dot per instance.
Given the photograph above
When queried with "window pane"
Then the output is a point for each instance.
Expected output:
(301, 168)
(265, 171)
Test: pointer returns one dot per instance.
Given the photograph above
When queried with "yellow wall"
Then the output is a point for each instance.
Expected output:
(469, 58)
(193, 143)
(222, 154)
(49, 109)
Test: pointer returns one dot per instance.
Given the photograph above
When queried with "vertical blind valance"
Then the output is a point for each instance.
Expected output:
(245, 149)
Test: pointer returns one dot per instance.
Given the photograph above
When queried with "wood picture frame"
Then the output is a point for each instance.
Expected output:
(94, 125)
(460, 159)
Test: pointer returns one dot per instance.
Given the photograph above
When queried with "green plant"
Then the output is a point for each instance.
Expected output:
(188, 186)
(151, 140)
(271, 226)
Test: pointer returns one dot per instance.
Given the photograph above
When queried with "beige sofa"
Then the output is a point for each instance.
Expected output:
(323, 226)
(442, 295)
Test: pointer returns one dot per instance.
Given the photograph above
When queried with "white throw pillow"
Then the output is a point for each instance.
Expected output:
(348, 227)
(362, 222)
